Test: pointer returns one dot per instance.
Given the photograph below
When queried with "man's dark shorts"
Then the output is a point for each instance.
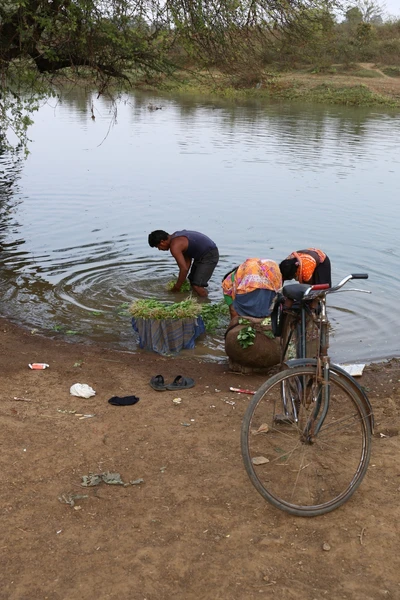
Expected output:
(203, 268)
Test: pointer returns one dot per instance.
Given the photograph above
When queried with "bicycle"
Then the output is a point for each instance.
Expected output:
(288, 323)
(306, 434)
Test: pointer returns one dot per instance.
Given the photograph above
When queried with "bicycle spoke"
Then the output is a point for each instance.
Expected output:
(307, 470)
(355, 417)
(301, 467)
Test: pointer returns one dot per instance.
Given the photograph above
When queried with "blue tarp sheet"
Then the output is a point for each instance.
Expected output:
(168, 336)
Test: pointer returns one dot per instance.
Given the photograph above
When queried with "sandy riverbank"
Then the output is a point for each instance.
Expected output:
(196, 528)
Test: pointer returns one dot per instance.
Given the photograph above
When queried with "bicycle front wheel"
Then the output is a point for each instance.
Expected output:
(305, 447)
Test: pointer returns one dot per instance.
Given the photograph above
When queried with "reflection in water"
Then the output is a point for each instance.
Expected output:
(260, 179)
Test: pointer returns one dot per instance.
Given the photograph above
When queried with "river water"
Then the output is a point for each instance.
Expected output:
(260, 179)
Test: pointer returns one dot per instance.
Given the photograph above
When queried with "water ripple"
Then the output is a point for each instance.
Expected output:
(261, 180)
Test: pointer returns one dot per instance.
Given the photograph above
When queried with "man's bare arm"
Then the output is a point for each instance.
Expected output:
(177, 248)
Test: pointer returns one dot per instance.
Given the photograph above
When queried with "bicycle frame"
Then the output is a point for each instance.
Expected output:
(322, 359)
(297, 315)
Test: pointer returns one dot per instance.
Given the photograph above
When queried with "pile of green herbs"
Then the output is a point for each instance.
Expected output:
(155, 309)
(214, 315)
(185, 287)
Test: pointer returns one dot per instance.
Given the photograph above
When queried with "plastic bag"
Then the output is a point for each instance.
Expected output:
(83, 390)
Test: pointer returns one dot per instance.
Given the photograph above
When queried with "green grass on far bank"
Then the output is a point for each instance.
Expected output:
(286, 86)
(331, 93)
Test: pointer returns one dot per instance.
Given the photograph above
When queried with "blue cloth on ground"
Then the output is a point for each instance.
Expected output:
(168, 336)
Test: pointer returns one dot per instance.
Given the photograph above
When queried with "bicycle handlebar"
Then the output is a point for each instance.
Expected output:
(322, 288)
(334, 288)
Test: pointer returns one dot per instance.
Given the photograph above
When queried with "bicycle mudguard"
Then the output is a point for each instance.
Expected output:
(312, 362)
(277, 315)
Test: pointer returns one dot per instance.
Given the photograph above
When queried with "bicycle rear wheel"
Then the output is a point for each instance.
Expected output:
(313, 461)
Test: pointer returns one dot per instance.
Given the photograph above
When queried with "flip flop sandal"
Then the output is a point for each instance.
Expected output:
(123, 401)
(157, 383)
(181, 383)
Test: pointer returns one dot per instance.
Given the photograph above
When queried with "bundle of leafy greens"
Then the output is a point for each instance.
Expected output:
(154, 309)
(214, 315)
(184, 288)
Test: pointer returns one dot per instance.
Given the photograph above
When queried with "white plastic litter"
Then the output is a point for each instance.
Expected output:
(354, 370)
(83, 390)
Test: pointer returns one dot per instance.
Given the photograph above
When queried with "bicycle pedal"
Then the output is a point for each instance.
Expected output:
(283, 419)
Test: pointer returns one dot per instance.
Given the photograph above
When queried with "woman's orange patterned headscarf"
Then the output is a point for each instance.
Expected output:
(253, 274)
(307, 264)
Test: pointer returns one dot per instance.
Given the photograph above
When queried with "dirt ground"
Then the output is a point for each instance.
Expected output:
(195, 528)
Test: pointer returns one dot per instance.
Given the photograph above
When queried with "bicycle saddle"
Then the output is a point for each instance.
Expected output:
(295, 291)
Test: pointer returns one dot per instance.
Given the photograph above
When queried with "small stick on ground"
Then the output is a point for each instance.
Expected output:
(109, 360)
(23, 399)
(360, 535)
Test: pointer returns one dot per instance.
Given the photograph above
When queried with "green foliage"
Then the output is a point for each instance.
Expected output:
(356, 95)
(154, 309)
(365, 33)
(119, 43)
(64, 329)
(387, 51)
(319, 24)
(16, 110)
(352, 95)
(365, 11)
(391, 71)
(354, 15)
(186, 287)
(368, 73)
(96, 40)
(269, 334)
(215, 315)
(113, 44)
(246, 335)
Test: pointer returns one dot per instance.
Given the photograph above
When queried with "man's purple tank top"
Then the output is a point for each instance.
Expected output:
(199, 243)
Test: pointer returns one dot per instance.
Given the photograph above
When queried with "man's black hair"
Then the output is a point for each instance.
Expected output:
(157, 236)
(288, 268)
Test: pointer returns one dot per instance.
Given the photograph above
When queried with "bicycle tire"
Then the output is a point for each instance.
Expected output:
(306, 472)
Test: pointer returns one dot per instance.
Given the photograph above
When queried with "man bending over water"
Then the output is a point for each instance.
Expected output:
(195, 253)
